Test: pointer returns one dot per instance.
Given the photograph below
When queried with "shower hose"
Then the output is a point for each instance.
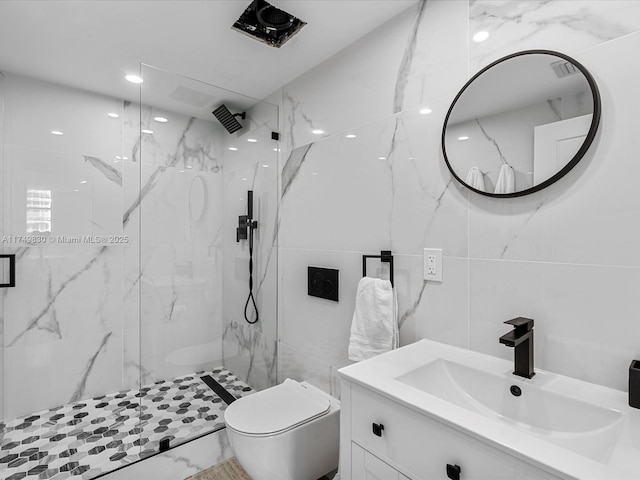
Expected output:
(250, 298)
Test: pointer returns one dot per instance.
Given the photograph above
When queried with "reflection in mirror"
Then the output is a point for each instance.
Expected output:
(521, 123)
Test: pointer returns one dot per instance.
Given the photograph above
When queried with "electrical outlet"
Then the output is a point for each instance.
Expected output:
(433, 264)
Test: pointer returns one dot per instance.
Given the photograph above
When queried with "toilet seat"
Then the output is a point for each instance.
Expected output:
(276, 409)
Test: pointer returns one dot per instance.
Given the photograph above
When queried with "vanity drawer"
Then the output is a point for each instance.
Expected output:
(365, 466)
(420, 447)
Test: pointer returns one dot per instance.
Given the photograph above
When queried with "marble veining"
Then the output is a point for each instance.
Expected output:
(555, 25)
(522, 227)
(292, 167)
(413, 307)
(80, 390)
(407, 60)
(33, 323)
(107, 170)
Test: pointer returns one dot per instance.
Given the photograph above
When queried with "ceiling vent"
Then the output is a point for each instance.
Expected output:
(268, 24)
(564, 68)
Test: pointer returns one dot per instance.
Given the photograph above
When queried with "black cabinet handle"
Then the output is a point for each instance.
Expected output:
(377, 429)
(453, 471)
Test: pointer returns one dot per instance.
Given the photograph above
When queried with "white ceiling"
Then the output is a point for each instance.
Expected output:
(93, 44)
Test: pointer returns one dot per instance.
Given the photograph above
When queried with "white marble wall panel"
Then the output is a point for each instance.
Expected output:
(562, 25)
(585, 217)
(579, 231)
(297, 365)
(35, 108)
(318, 327)
(391, 192)
(314, 333)
(180, 462)
(417, 56)
(250, 354)
(85, 194)
(63, 335)
(185, 142)
(250, 350)
(586, 317)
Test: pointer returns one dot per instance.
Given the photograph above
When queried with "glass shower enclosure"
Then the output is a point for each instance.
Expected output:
(124, 334)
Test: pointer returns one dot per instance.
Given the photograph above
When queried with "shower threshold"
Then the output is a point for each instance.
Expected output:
(90, 438)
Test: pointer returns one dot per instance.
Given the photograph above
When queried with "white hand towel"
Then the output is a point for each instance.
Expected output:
(506, 180)
(374, 328)
(475, 179)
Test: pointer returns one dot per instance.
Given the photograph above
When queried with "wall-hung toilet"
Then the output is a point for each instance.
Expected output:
(287, 432)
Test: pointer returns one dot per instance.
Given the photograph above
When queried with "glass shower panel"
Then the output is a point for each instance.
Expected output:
(184, 156)
(64, 338)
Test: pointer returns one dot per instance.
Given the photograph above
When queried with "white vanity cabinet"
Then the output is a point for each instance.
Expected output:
(384, 440)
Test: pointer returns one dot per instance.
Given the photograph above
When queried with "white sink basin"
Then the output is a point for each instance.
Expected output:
(585, 428)
(573, 429)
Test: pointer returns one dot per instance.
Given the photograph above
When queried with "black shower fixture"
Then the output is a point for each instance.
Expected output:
(228, 119)
(267, 23)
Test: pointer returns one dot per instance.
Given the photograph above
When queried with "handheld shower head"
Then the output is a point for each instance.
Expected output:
(228, 119)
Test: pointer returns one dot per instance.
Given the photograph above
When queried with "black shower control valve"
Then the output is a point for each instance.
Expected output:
(377, 429)
(453, 471)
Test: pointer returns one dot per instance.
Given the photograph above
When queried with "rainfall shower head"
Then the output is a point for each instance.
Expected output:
(228, 119)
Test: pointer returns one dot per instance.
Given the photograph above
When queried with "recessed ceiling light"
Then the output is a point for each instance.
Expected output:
(147, 131)
(351, 135)
(118, 157)
(251, 140)
(233, 149)
(113, 115)
(83, 182)
(181, 171)
(125, 158)
(317, 131)
(133, 78)
(314, 173)
(382, 158)
(244, 179)
(480, 36)
(189, 166)
(425, 111)
(276, 149)
(462, 139)
(56, 132)
(76, 190)
(265, 166)
(160, 119)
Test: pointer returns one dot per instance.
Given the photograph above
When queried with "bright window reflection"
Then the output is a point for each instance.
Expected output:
(38, 211)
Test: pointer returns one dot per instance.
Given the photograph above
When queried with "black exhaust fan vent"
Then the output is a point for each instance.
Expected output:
(268, 24)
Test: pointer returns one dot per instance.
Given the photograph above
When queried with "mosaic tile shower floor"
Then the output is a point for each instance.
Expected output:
(88, 438)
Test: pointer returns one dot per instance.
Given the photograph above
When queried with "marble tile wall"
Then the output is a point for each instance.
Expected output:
(250, 350)
(568, 256)
(142, 300)
(62, 323)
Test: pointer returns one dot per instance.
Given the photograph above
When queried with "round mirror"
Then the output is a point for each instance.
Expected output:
(521, 123)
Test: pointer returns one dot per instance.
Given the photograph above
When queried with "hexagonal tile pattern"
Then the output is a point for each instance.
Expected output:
(89, 438)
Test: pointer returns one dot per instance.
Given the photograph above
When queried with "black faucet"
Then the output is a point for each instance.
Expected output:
(521, 339)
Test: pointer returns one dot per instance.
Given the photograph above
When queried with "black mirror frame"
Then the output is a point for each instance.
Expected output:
(595, 121)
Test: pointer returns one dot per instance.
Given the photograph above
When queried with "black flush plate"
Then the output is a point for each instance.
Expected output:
(323, 283)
